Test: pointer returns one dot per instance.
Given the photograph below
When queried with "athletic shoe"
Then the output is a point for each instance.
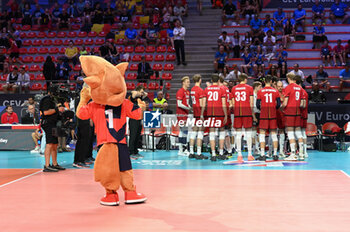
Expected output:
(301, 157)
(110, 199)
(222, 157)
(250, 158)
(292, 157)
(282, 155)
(134, 197)
(133, 157)
(192, 156)
(240, 159)
(58, 167)
(35, 150)
(275, 157)
(88, 161)
(49, 169)
(306, 155)
(261, 158)
(213, 158)
(201, 157)
(80, 165)
(59, 150)
(92, 158)
(229, 155)
(186, 153)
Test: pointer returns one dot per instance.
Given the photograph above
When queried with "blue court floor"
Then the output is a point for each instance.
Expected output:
(170, 160)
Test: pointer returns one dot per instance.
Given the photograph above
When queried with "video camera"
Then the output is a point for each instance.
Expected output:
(61, 92)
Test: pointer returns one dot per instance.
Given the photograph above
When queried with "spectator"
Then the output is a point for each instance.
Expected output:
(322, 78)
(2, 62)
(288, 31)
(56, 12)
(236, 43)
(220, 59)
(83, 51)
(114, 54)
(125, 18)
(152, 35)
(269, 45)
(9, 117)
(179, 37)
(249, 12)
(72, 53)
(36, 136)
(319, 35)
(45, 20)
(14, 50)
(282, 74)
(170, 36)
(80, 7)
(12, 81)
(166, 15)
(30, 117)
(88, 11)
(272, 70)
(72, 10)
(37, 14)
(338, 52)
(159, 102)
(131, 35)
(49, 71)
(267, 20)
(97, 14)
(279, 16)
(344, 77)
(156, 18)
(233, 75)
(30, 101)
(316, 94)
(228, 12)
(281, 56)
(255, 26)
(318, 12)
(248, 61)
(64, 20)
(27, 15)
(267, 28)
(338, 11)
(347, 52)
(225, 41)
(247, 40)
(299, 17)
(144, 70)
(109, 13)
(23, 80)
(179, 11)
(104, 51)
(4, 41)
(297, 72)
(258, 58)
(326, 53)
(259, 74)
(62, 69)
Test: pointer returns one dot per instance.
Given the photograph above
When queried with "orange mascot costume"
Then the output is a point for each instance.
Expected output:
(108, 110)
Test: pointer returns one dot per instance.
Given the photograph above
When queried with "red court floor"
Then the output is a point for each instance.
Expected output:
(182, 200)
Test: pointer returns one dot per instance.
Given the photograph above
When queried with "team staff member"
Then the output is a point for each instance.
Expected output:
(304, 116)
(281, 120)
(159, 103)
(49, 114)
(9, 117)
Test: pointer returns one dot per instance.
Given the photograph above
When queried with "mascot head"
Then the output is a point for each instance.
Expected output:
(105, 80)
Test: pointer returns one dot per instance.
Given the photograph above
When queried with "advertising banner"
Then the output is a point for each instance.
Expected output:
(294, 3)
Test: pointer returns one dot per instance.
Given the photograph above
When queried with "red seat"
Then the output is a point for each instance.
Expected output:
(66, 42)
(168, 67)
(110, 40)
(47, 42)
(51, 34)
(37, 42)
(165, 25)
(31, 35)
(23, 51)
(57, 42)
(102, 34)
(3, 51)
(139, 49)
(161, 49)
(92, 34)
(89, 41)
(347, 128)
(329, 127)
(41, 34)
(154, 77)
(77, 68)
(26, 28)
(25, 67)
(35, 86)
(44, 87)
(149, 58)
(131, 76)
(40, 77)
(129, 49)
(150, 49)
(72, 34)
(99, 41)
(133, 67)
(120, 49)
(61, 34)
(34, 68)
(75, 27)
(17, 27)
(136, 58)
(31, 76)
(53, 50)
(145, 26)
(82, 34)
(130, 86)
(1, 84)
(170, 57)
(168, 85)
(4, 77)
(39, 59)
(143, 84)
(171, 50)
(167, 76)
(43, 50)
(22, 35)
(27, 59)
(119, 41)
(27, 43)
(136, 26)
(79, 42)
(311, 130)
(62, 50)
(163, 40)
(153, 86)
(159, 58)
(157, 67)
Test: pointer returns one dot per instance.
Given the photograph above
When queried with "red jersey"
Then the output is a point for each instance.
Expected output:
(196, 94)
(228, 97)
(214, 95)
(294, 94)
(110, 121)
(268, 101)
(305, 97)
(338, 49)
(241, 94)
(9, 119)
(184, 96)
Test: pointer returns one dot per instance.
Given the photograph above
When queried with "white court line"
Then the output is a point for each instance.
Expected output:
(24, 177)
(345, 173)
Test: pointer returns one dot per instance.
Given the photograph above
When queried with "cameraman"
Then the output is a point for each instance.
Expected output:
(49, 113)
(64, 127)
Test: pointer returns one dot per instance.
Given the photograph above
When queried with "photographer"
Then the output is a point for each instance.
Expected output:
(49, 113)
(64, 127)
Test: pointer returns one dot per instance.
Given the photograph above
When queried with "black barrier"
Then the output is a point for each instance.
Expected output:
(16, 139)
(337, 113)
(294, 3)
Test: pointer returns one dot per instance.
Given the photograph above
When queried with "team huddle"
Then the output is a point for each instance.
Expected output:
(266, 109)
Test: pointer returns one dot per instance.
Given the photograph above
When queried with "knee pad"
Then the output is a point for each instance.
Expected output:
(298, 134)
(222, 135)
(262, 138)
(274, 137)
(211, 135)
(200, 135)
(290, 135)
(193, 135)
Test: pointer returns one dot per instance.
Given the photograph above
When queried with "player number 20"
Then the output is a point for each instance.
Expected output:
(213, 96)
(241, 96)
